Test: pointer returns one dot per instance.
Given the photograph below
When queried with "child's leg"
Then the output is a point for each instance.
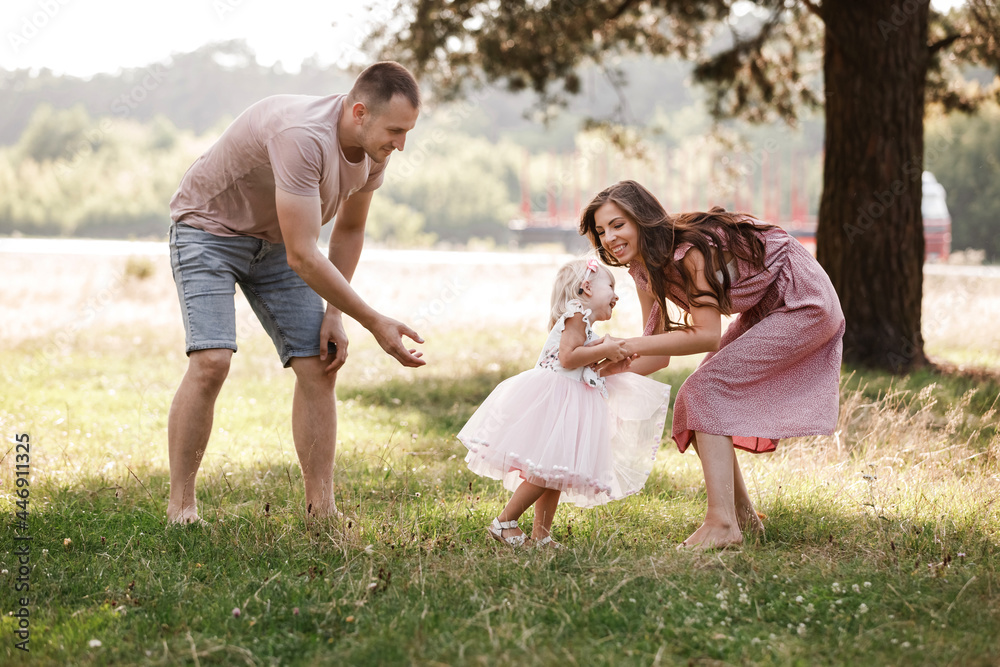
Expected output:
(718, 462)
(746, 515)
(524, 497)
(545, 510)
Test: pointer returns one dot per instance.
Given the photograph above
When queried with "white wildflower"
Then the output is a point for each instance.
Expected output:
(94, 643)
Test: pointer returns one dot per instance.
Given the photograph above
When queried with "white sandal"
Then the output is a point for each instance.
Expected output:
(547, 541)
(496, 532)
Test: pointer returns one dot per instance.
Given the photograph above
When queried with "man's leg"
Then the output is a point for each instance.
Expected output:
(189, 427)
(314, 429)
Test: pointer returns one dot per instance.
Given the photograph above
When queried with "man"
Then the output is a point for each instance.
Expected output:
(249, 212)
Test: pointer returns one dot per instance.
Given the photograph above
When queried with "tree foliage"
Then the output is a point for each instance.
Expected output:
(882, 62)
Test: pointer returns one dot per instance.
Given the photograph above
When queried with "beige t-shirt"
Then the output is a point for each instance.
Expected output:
(285, 141)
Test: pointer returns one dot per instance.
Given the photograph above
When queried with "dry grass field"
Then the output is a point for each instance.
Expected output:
(80, 285)
(882, 541)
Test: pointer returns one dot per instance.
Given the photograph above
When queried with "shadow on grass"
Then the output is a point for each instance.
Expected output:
(444, 404)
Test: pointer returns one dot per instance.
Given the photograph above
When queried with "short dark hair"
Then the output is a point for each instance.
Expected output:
(377, 84)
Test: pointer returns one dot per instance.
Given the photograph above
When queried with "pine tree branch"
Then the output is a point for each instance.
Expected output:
(624, 7)
(945, 42)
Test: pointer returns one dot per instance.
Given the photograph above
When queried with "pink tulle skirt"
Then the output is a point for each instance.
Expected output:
(556, 432)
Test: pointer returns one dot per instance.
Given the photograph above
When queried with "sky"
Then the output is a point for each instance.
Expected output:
(85, 37)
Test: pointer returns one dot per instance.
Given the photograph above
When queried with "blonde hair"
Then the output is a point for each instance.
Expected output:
(567, 285)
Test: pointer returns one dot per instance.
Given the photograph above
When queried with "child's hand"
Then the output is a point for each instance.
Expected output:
(614, 348)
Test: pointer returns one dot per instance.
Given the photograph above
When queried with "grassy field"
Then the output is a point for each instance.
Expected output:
(882, 542)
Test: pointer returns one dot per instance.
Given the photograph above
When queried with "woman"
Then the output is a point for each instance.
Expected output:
(774, 373)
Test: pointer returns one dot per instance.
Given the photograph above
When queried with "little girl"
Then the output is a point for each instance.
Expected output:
(559, 430)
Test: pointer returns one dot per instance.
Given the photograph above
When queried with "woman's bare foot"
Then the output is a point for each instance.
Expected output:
(711, 537)
(749, 520)
(187, 517)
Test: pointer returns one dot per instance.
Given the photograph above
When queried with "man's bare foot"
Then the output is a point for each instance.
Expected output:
(331, 513)
(711, 537)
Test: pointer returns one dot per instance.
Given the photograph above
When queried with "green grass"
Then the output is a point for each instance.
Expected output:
(882, 542)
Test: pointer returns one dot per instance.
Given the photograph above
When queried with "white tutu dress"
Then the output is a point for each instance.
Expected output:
(592, 438)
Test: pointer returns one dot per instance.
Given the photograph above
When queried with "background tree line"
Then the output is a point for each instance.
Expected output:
(102, 157)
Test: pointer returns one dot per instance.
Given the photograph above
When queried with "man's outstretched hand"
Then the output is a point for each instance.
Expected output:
(389, 334)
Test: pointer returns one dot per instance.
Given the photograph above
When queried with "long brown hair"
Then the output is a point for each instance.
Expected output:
(660, 235)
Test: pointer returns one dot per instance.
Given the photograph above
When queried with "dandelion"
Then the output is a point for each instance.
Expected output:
(236, 612)
(94, 643)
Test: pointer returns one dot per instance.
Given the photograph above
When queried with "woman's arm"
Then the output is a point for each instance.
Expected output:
(646, 365)
(704, 333)
(574, 351)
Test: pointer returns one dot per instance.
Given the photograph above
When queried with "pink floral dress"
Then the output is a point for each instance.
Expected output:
(776, 373)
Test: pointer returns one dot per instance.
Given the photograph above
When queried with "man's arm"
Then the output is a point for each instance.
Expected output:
(346, 240)
(300, 219)
(348, 234)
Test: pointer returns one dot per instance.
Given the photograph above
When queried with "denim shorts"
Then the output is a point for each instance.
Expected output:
(207, 269)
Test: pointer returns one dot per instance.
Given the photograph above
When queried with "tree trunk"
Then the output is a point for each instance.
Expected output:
(870, 234)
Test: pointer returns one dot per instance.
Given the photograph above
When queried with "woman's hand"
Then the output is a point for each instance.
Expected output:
(609, 367)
